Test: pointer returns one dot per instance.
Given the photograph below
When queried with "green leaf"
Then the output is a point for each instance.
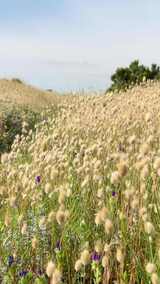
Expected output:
(41, 280)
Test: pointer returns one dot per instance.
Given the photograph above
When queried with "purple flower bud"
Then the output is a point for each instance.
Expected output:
(10, 260)
(95, 256)
(23, 273)
(113, 193)
(38, 179)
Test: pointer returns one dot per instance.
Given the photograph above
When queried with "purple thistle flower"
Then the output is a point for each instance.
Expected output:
(113, 193)
(38, 179)
(95, 256)
(10, 260)
(23, 273)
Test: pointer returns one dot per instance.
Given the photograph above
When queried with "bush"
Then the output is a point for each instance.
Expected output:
(17, 80)
(125, 77)
(11, 124)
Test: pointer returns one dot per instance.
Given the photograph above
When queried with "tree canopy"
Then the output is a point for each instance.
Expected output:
(135, 73)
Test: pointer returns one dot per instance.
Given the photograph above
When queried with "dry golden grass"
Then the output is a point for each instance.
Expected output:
(79, 198)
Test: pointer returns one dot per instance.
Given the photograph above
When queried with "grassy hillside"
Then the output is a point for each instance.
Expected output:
(79, 198)
(14, 92)
(20, 103)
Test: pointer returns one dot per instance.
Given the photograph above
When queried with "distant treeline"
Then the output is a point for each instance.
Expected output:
(126, 77)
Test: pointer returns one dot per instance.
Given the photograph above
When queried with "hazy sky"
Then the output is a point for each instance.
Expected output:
(74, 44)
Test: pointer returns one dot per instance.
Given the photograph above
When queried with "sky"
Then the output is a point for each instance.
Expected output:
(76, 44)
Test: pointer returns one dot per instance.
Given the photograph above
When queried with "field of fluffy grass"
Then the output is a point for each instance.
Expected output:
(79, 197)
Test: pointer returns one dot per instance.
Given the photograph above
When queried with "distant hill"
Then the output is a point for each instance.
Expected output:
(16, 92)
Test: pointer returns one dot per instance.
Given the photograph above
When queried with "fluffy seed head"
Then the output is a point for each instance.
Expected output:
(148, 116)
(115, 176)
(98, 246)
(98, 220)
(144, 172)
(156, 164)
(105, 261)
(34, 243)
(101, 216)
(60, 217)
(24, 228)
(108, 226)
(85, 257)
(107, 248)
(47, 188)
(7, 220)
(122, 168)
(149, 228)
(51, 217)
(12, 201)
(42, 222)
(62, 197)
(78, 265)
(56, 277)
(150, 267)
(144, 149)
(50, 268)
(119, 256)
(154, 278)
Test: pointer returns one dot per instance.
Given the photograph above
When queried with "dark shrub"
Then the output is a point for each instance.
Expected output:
(125, 77)
(17, 80)
(11, 125)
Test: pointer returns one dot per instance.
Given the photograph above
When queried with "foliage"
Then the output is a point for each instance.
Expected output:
(125, 77)
(17, 80)
(11, 124)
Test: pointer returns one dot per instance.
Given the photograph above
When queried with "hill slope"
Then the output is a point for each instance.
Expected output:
(13, 92)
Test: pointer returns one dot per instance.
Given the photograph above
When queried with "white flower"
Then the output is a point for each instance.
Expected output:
(149, 228)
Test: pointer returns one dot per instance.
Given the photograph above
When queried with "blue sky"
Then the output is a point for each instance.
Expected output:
(75, 44)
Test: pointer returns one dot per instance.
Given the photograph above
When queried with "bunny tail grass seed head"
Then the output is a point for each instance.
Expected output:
(85, 257)
(56, 277)
(150, 267)
(50, 268)
(155, 279)
(78, 265)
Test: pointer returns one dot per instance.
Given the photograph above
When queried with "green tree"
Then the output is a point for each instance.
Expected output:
(123, 78)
